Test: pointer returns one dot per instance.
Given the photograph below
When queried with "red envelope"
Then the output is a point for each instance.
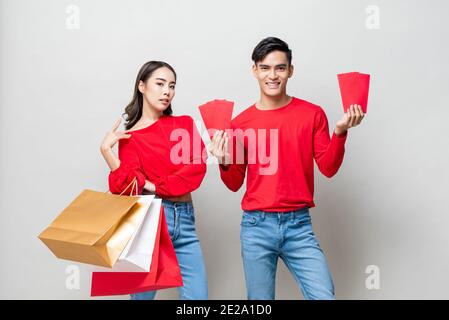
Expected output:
(354, 87)
(217, 115)
(164, 270)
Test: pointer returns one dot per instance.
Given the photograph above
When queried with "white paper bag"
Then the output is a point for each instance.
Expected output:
(138, 253)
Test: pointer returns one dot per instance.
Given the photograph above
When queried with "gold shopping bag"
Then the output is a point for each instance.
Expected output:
(95, 227)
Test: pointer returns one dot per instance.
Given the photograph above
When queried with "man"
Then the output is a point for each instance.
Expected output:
(276, 221)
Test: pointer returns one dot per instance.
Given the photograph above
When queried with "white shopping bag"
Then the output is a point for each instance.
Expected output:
(138, 253)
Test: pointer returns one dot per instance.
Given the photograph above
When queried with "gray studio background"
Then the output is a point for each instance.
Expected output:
(62, 87)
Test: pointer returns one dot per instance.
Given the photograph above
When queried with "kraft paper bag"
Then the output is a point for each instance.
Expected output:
(95, 227)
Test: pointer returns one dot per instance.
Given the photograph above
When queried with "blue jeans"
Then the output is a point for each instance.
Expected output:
(267, 236)
(181, 227)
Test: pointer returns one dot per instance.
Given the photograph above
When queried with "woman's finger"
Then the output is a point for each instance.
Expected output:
(116, 124)
(123, 136)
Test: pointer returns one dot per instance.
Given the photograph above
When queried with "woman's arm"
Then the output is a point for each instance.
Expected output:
(111, 159)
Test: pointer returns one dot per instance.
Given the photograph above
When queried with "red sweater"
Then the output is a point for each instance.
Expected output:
(303, 135)
(175, 167)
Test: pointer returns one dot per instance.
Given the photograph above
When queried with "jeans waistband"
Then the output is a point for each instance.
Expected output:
(177, 205)
(302, 210)
(279, 214)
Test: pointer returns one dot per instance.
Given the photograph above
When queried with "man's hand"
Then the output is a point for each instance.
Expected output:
(219, 147)
(351, 118)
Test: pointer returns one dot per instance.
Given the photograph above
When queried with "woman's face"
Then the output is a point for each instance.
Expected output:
(159, 89)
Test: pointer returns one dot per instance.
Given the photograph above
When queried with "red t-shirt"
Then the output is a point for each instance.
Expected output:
(168, 153)
(285, 183)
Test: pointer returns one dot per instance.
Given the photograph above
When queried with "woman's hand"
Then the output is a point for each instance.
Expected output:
(113, 136)
(149, 186)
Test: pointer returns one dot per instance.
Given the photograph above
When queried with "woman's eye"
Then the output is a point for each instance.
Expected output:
(172, 87)
(159, 84)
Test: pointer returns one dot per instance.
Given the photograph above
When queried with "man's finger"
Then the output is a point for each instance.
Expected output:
(357, 115)
(226, 144)
(215, 139)
(361, 114)
(352, 116)
(222, 141)
(209, 147)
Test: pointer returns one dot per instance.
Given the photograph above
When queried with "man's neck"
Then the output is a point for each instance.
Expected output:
(272, 103)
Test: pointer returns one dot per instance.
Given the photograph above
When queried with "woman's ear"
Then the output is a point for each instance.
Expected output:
(141, 86)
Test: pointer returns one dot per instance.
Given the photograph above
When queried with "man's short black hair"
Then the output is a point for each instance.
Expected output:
(269, 45)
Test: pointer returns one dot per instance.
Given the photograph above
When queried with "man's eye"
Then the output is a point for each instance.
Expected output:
(281, 69)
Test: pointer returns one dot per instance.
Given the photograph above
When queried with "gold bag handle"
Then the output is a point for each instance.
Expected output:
(134, 187)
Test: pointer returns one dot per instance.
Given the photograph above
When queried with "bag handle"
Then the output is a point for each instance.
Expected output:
(134, 187)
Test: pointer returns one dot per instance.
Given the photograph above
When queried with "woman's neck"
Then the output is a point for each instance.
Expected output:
(150, 114)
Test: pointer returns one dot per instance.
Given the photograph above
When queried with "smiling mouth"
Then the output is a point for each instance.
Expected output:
(273, 85)
(164, 101)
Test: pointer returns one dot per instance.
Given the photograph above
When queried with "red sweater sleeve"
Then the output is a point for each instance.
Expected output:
(328, 153)
(129, 169)
(190, 176)
(233, 175)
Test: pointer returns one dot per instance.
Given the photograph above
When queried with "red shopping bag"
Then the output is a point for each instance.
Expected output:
(164, 270)
(354, 88)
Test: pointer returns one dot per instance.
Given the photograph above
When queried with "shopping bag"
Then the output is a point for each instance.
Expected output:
(95, 227)
(164, 270)
(138, 253)
(354, 89)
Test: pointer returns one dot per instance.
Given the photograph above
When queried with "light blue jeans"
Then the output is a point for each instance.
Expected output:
(181, 227)
(267, 236)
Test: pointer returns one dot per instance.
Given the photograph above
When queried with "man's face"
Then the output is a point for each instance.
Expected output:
(273, 73)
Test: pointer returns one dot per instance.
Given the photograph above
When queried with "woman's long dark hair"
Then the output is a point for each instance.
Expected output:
(133, 110)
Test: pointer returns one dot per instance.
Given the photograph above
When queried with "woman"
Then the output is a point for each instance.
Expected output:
(145, 154)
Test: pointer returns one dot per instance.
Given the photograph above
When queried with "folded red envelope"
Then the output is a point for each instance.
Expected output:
(217, 115)
(354, 88)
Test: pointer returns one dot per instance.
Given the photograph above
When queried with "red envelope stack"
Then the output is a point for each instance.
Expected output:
(354, 87)
(217, 115)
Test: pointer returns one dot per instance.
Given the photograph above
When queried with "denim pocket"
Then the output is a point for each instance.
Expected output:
(302, 219)
(170, 220)
(191, 214)
(250, 219)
